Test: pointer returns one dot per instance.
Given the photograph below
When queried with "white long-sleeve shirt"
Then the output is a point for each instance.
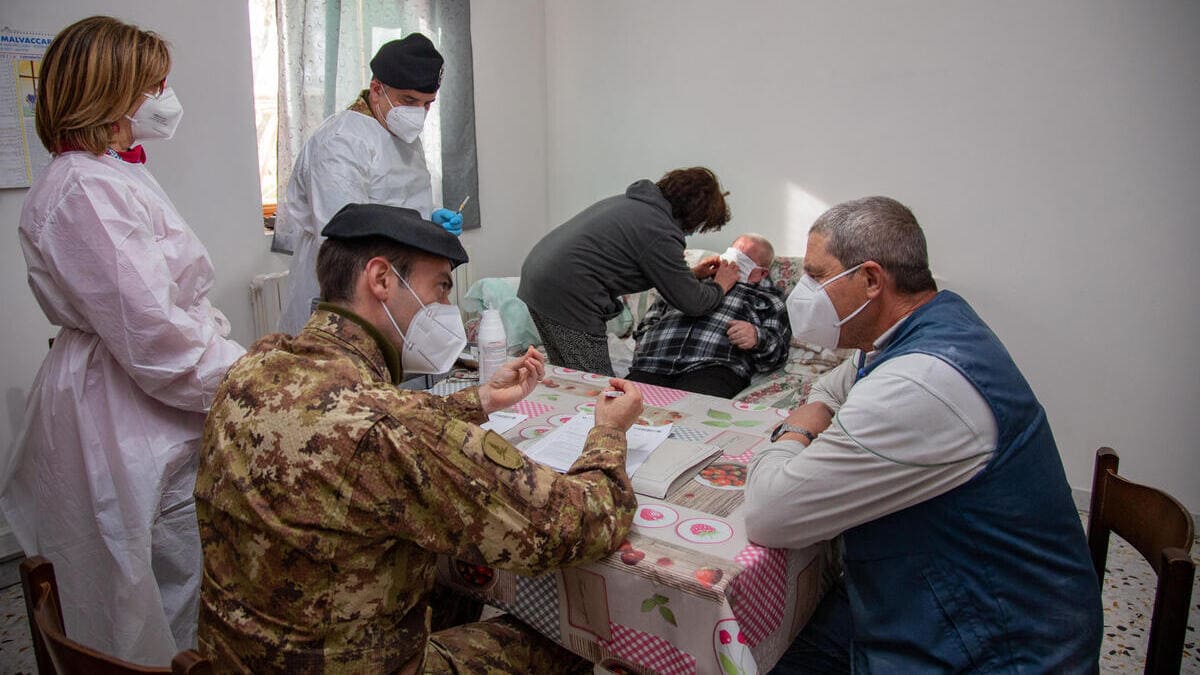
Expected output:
(913, 429)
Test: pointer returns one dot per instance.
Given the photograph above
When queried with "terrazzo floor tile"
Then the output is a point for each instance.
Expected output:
(1128, 601)
(16, 652)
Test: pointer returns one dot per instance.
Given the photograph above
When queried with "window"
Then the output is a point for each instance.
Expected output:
(312, 58)
(264, 52)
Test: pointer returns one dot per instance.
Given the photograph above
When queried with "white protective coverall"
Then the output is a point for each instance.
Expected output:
(101, 475)
(350, 159)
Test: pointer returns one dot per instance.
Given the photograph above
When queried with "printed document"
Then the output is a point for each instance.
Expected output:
(560, 448)
(501, 421)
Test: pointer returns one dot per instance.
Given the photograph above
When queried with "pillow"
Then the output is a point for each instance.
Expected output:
(501, 293)
(519, 330)
(786, 272)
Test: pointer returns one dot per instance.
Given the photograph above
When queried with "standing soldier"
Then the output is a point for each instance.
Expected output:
(326, 493)
(370, 152)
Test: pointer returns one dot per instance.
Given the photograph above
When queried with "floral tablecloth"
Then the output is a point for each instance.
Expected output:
(686, 593)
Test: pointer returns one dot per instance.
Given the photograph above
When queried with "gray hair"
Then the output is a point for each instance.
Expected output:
(762, 244)
(879, 229)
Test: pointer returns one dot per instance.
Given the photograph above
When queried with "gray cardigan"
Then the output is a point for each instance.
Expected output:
(623, 244)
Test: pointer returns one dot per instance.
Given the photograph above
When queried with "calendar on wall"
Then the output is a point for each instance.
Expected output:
(22, 155)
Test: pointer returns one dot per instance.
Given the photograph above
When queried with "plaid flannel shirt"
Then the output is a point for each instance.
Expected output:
(670, 343)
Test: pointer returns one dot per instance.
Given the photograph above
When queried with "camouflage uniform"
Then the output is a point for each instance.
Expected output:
(325, 494)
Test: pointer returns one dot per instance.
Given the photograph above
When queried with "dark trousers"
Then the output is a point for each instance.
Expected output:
(571, 348)
(711, 380)
(823, 646)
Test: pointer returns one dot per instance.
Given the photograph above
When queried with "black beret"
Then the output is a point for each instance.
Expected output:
(411, 63)
(401, 225)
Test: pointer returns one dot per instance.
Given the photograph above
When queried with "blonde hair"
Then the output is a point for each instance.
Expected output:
(94, 71)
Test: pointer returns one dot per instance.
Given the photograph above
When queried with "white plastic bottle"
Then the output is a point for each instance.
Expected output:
(492, 344)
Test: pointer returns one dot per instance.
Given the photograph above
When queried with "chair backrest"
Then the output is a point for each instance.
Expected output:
(1161, 529)
(56, 653)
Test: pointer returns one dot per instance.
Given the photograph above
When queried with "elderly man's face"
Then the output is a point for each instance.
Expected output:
(756, 253)
(847, 293)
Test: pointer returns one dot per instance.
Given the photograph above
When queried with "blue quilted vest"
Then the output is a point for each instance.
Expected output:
(994, 575)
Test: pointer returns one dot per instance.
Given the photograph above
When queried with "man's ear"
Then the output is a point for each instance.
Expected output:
(875, 277)
(378, 278)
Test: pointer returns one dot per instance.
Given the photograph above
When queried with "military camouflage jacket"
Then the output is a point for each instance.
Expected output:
(325, 494)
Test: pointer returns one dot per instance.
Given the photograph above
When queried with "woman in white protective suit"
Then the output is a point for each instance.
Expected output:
(100, 478)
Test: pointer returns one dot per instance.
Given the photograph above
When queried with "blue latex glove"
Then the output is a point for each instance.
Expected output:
(451, 221)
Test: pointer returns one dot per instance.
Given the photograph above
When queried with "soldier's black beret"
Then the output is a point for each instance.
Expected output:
(410, 63)
(401, 225)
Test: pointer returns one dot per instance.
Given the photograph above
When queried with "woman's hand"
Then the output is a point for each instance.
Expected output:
(707, 267)
(726, 275)
(515, 380)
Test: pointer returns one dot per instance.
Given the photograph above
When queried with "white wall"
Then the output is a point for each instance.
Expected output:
(1050, 150)
(508, 42)
(209, 169)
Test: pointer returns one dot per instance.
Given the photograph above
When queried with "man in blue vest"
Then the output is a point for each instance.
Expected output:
(929, 453)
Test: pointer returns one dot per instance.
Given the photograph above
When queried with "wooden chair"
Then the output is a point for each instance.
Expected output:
(1161, 529)
(57, 653)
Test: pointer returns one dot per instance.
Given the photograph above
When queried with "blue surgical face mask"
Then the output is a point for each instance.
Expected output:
(435, 336)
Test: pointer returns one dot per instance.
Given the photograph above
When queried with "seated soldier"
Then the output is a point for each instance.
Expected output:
(717, 353)
(325, 493)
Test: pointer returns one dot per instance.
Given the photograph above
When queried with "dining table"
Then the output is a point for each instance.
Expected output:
(686, 592)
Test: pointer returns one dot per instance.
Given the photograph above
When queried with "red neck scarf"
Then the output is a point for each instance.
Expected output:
(134, 155)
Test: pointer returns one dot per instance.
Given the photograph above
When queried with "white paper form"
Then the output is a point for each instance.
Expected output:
(502, 421)
(560, 448)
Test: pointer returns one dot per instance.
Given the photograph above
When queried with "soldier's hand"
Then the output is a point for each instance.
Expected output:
(512, 382)
(619, 411)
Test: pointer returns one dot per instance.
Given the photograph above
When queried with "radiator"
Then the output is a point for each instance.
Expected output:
(266, 301)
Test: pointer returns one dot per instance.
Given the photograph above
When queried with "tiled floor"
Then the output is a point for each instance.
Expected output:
(1128, 601)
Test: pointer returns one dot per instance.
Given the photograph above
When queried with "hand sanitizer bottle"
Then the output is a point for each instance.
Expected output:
(492, 344)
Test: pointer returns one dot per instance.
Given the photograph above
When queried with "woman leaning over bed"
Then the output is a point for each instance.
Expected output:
(574, 278)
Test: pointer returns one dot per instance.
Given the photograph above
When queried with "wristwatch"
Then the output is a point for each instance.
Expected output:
(784, 428)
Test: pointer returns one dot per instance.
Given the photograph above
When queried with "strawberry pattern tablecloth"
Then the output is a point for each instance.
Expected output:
(686, 592)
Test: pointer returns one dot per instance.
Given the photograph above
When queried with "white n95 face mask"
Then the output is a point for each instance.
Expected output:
(745, 263)
(157, 117)
(435, 336)
(405, 121)
(813, 317)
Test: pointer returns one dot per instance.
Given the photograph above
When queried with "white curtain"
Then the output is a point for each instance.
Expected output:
(325, 51)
